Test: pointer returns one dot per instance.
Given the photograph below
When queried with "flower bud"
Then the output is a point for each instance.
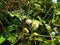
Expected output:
(37, 5)
(35, 25)
(53, 33)
(44, 22)
(47, 27)
(35, 34)
(26, 30)
(56, 31)
(28, 21)
(55, 28)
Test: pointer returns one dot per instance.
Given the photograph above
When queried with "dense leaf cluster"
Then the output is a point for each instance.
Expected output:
(29, 22)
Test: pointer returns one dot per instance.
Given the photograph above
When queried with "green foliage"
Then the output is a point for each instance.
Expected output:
(30, 22)
(2, 39)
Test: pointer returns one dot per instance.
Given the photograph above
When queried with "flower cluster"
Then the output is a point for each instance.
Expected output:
(34, 23)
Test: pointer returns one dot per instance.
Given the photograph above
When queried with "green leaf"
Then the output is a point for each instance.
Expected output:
(14, 13)
(10, 28)
(58, 13)
(38, 39)
(2, 39)
(53, 20)
(57, 24)
(23, 44)
(12, 39)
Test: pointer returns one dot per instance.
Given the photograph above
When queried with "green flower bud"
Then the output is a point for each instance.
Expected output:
(35, 25)
(55, 28)
(35, 34)
(26, 30)
(47, 27)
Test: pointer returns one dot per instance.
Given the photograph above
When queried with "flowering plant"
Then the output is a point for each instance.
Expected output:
(29, 22)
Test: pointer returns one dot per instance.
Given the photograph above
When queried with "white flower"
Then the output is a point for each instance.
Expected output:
(47, 27)
(54, 1)
(35, 25)
(53, 33)
(28, 21)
